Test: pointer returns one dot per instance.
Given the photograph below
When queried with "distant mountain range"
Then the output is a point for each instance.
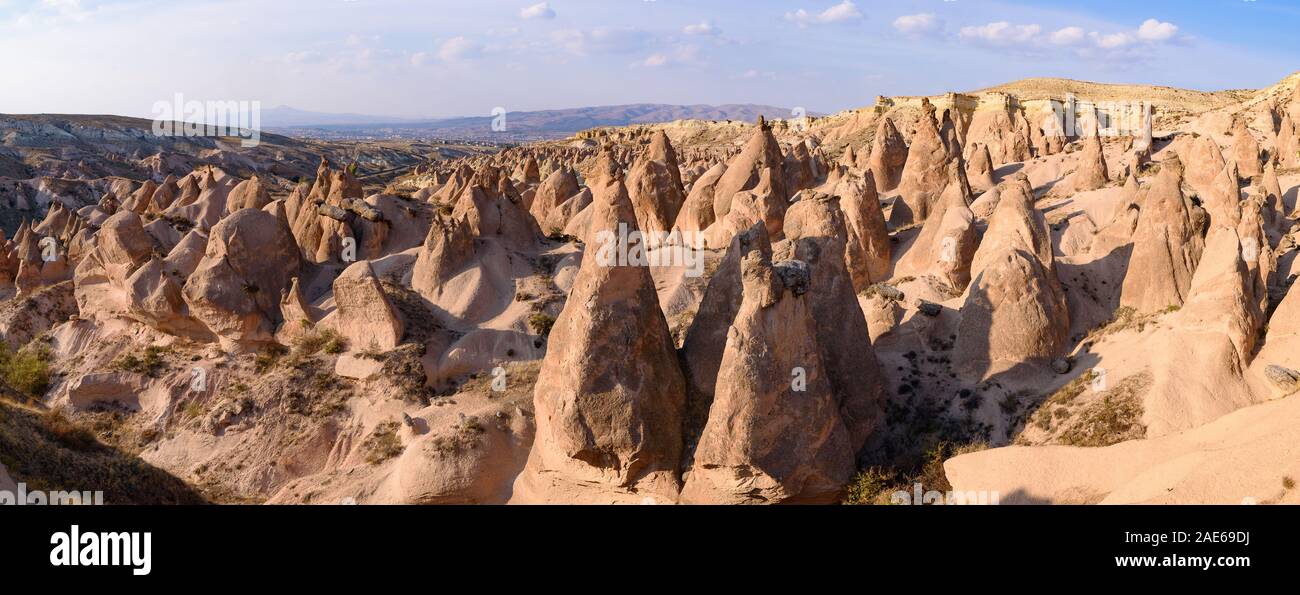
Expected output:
(288, 117)
(519, 126)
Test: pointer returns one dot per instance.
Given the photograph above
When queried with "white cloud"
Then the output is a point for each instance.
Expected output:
(1153, 30)
(607, 40)
(1092, 44)
(1112, 41)
(1068, 36)
(704, 28)
(917, 24)
(457, 48)
(1001, 33)
(541, 10)
(840, 13)
(682, 54)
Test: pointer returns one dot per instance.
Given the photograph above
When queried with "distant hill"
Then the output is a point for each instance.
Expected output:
(287, 117)
(541, 125)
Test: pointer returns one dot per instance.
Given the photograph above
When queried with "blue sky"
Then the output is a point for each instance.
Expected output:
(442, 57)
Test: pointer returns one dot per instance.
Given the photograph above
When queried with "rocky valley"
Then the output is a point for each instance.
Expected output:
(1000, 291)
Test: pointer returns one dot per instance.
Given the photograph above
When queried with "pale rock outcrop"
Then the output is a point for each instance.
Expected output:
(235, 289)
(697, 214)
(817, 236)
(1245, 150)
(560, 186)
(448, 248)
(607, 431)
(947, 240)
(798, 168)
(493, 211)
(163, 195)
(888, 156)
(157, 289)
(979, 169)
(1015, 309)
(1092, 173)
(762, 203)
(120, 247)
(365, 316)
(563, 215)
(1222, 198)
(654, 186)
(249, 194)
(868, 250)
(1198, 365)
(1166, 247)
(774, 434)
(1117, 233)
(706, 337)
(298, 315)
(1288, 143)
(761, 156)
(924, 176)
(1202, 162)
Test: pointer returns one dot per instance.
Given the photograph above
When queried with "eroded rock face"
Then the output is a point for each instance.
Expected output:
(235, 289)
(561, 185)
(697, 213)
(654, 186)
(249, 194)
(774, 433)
(979, 170)
(1092, 173)
(120, 247)
(816, 236)
(706, 338)
(607, 431)
(924, 176)
(762, 203)
(868, 247)
(1015, 310)
(365, 317)
(888, 156)
(493, 213)
(1199, 363)
(448, 248)
(948, 239)
(1245, 150)
(156, 289)
(761, 156)
(1166, 246)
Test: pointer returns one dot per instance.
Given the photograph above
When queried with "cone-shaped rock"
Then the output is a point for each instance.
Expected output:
(1166, 247)
(774, 433)
(607, 431)
(888, 156)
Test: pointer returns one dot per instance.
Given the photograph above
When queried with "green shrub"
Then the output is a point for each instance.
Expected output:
(149, 364)
(541, 323)
(870, 487)
(313, 342)
(383, 443)
(27, 371)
